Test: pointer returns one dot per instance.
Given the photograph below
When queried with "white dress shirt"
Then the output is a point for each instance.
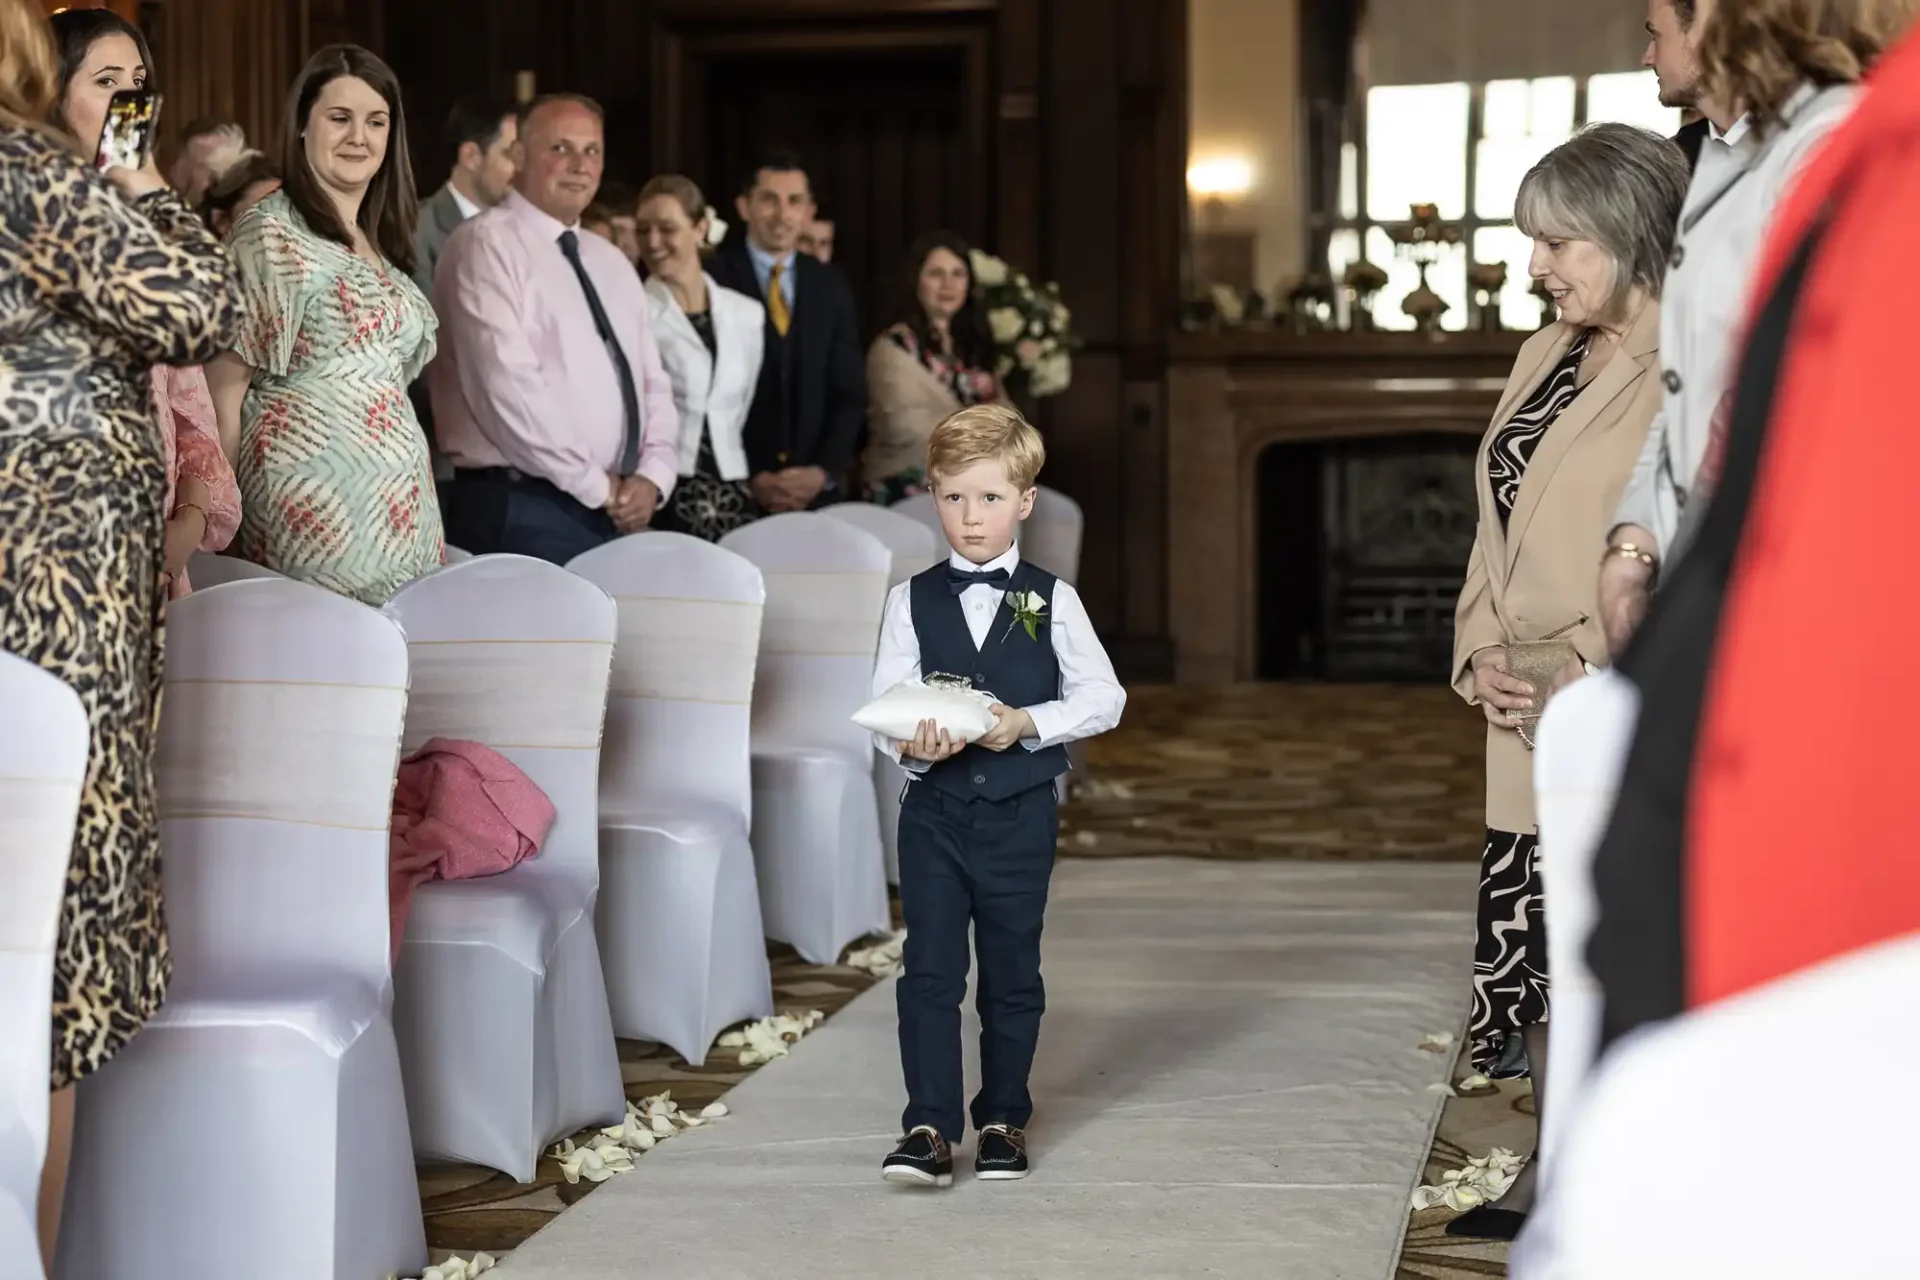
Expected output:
(468, 209)
(1091, 697)
(1741, 178)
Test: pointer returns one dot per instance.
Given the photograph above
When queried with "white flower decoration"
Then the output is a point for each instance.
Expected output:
(1005, 323)
(986, 269)
(1052, 375)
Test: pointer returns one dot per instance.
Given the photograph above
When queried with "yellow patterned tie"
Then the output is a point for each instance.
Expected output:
(777, 301)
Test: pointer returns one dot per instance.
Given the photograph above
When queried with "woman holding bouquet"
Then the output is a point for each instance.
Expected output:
(934, 360)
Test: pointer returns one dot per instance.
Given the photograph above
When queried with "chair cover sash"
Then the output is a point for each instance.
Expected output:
(320, 754)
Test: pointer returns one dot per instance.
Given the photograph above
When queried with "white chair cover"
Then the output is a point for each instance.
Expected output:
(499, 1002)
(919, 508)
(680, 930)
(914, 543)
(260, 1115)
(456, 555)
(43, 763)
(206, 569)
(1583, 741)
(914, 548)
(1689, 1133)
(816, 829)
(1051, 535)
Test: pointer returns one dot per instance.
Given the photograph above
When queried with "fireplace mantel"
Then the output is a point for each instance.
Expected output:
(1231, 395)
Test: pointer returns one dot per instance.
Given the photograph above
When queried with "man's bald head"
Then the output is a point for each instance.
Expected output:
(561, 154)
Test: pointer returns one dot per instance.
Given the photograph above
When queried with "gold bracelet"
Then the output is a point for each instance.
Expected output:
(1631, 551)
(179, 507)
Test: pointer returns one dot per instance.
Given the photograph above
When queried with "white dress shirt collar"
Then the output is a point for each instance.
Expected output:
(1008, 560)
(468, 209)
(1733, 133)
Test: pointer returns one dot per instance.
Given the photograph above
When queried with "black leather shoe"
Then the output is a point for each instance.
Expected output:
(1488, 1222)
(1001, 1154)
(923, 1159)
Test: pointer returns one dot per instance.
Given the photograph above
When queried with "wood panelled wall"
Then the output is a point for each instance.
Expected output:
(1078, 176)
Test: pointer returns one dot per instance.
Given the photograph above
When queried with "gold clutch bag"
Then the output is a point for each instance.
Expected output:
(1537, 662)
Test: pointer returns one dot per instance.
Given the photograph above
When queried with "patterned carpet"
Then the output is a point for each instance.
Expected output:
(1263, 771)
(1285, 771)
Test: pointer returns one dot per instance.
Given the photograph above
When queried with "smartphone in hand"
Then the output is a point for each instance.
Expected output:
(127, 137)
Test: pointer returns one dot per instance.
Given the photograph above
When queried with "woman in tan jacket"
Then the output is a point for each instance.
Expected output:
(935, 360)
(1601, 209)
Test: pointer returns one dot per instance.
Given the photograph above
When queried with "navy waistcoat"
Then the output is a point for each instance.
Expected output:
(1019, 670)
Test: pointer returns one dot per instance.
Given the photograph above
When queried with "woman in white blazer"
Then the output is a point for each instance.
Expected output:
(711, 343)
(1775, 78)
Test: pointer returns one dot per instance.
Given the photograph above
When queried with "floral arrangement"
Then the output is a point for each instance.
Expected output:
(1031, 328)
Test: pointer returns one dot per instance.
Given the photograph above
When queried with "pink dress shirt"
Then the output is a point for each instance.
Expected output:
(522, 379)
(184, 409)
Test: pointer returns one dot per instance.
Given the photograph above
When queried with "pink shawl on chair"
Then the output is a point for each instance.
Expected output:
(460, 810)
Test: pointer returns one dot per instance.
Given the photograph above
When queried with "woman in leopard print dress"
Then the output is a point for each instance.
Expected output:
(96, 286)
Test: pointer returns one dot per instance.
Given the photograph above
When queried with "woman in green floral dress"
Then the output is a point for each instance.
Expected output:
(336, 486)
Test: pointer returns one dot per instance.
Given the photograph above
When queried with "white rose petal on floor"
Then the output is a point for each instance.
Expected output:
(770, 1038)
(649, 1122)
(459, 1268)
(882, 959)
(1483, 1181)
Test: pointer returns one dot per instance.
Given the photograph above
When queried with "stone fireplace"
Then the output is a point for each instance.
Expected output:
(1360, 547)
(1321, 500)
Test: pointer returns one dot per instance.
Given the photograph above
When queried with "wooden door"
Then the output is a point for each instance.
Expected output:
(889, 124)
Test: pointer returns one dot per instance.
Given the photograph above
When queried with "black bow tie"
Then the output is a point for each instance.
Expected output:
(959, 580)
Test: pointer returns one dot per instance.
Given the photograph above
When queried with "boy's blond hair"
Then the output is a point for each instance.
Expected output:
(983, 432)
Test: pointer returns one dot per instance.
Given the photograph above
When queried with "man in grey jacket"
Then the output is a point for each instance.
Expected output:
(479, 143)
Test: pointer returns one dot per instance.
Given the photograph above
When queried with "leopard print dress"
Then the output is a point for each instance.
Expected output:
(95, 290)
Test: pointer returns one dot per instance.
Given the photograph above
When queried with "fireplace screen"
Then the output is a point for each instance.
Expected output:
(1363, 548)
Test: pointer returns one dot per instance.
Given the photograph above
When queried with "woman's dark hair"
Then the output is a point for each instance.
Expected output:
(390, 208)
(75, 32)
(971, 345)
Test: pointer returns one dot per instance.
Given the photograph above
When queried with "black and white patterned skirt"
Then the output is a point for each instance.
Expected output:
(1509, 952)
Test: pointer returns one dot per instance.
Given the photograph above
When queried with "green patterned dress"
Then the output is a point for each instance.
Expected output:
(336, 486)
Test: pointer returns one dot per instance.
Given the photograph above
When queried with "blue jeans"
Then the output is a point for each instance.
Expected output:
(493, 509)
(987, 864)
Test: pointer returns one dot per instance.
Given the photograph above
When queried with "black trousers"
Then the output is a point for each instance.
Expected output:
(986, 864)
(494, 509)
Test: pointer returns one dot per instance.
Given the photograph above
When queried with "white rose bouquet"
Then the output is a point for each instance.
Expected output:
(1031, 328)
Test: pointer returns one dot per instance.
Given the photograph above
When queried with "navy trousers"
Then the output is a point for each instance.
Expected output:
(987, 864)
(493, 509)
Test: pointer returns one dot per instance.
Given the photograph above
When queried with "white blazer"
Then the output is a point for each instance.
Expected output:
(1723, 226)
(716, 390)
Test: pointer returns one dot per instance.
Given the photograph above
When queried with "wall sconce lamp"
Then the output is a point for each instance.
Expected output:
(1221, 178)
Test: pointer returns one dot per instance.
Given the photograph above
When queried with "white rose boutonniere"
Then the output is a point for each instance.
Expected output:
(1027, 608)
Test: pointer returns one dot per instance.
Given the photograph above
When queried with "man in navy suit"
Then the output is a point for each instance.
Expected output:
(805, 424)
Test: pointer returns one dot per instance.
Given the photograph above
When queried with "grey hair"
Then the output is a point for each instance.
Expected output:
(1619, 187)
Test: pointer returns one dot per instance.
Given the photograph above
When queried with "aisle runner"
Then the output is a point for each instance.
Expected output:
(1230, 1083)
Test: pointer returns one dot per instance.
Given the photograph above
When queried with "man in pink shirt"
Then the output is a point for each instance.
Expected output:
(548, 394)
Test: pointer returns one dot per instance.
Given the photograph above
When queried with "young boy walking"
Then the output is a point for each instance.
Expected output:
(978, 822)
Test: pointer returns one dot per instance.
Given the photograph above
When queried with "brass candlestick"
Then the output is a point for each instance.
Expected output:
(1487, 279)
(1420, 240)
